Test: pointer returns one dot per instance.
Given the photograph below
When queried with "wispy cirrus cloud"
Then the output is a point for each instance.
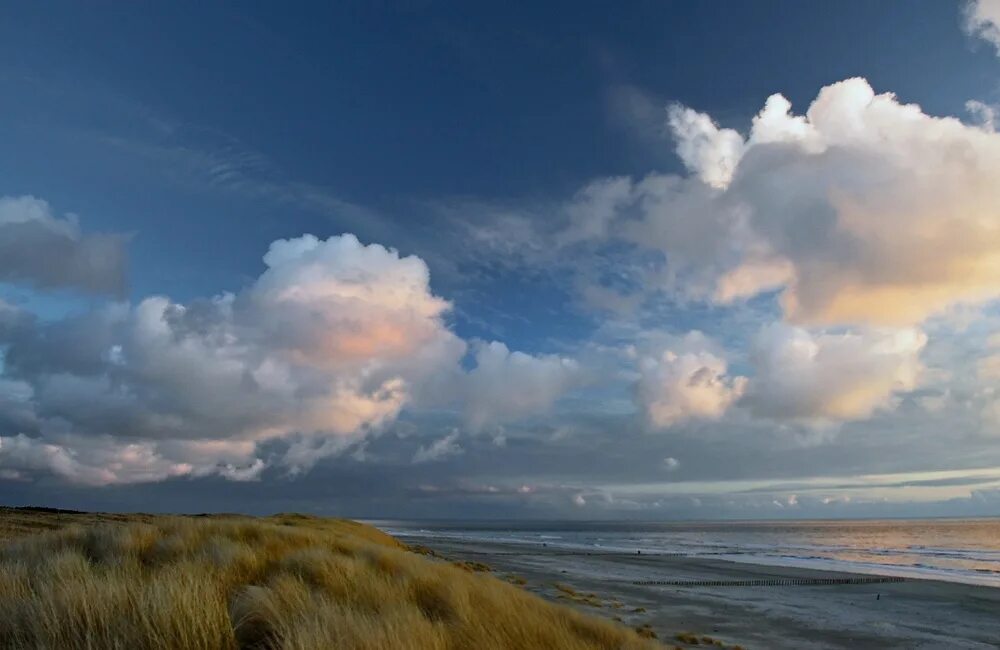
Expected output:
(192, 155)
(211, 160)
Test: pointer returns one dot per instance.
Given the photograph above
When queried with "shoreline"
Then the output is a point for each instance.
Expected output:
(797, 612)
(554, 547)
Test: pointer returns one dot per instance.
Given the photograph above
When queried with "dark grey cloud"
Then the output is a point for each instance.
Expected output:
(48, 252)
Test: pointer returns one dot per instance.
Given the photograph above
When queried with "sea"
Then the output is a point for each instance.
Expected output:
(953, 550)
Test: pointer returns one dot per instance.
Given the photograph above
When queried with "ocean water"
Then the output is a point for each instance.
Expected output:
(953, 550)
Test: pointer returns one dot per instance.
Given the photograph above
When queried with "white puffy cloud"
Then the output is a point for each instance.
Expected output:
(862, 211)
(49, 252)
(885, 215)
(829, 377)
(982, 19)
(507, 385)
(708, 151)
(330, 343)
(797, 376)
(686, 381)
(862, 214)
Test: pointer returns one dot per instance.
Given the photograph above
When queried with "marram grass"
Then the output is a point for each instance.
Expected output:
(284, 582)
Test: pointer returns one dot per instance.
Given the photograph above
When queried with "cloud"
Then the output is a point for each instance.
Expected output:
(440, 448)
(862, 211)
(708, 151)
(670, 463)
(982, 20)
(988, 368)
(49, 252)
(686, 381)
(883, 212)
(325, 347)
(985, 114)
(506, 386)
(593, 208)
(797, 375)
(213, 160)
(831, 377)
(89, 461)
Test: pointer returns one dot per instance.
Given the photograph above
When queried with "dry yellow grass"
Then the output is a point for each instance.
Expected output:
(17, 522)
(285, 582)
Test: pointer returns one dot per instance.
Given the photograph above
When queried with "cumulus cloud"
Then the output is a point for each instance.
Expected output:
(884, 213)
(982, 20)
(328, 344)
(50, 252)
(507, 385)
(686, 381)
(710, 152)
(863, 210)
(831, 377)
(326, 347)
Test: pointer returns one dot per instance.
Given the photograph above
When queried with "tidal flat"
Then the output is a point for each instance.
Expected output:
(911, 614)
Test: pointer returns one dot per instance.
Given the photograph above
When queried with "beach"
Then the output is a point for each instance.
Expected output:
(789, 615)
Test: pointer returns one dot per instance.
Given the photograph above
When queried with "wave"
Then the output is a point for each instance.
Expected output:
(970, 565)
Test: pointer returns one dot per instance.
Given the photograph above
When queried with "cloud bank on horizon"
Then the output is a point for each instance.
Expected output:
(852, 242)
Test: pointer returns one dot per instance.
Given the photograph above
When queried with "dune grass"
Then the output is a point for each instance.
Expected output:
(285, 582)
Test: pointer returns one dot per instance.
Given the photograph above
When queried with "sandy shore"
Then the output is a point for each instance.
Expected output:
(908, 615)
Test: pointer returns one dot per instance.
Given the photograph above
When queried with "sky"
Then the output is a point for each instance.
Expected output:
(552, 260)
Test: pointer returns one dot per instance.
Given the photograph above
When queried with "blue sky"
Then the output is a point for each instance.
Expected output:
(629, 293)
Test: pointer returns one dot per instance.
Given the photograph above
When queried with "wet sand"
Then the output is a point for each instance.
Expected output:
(912, 614)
